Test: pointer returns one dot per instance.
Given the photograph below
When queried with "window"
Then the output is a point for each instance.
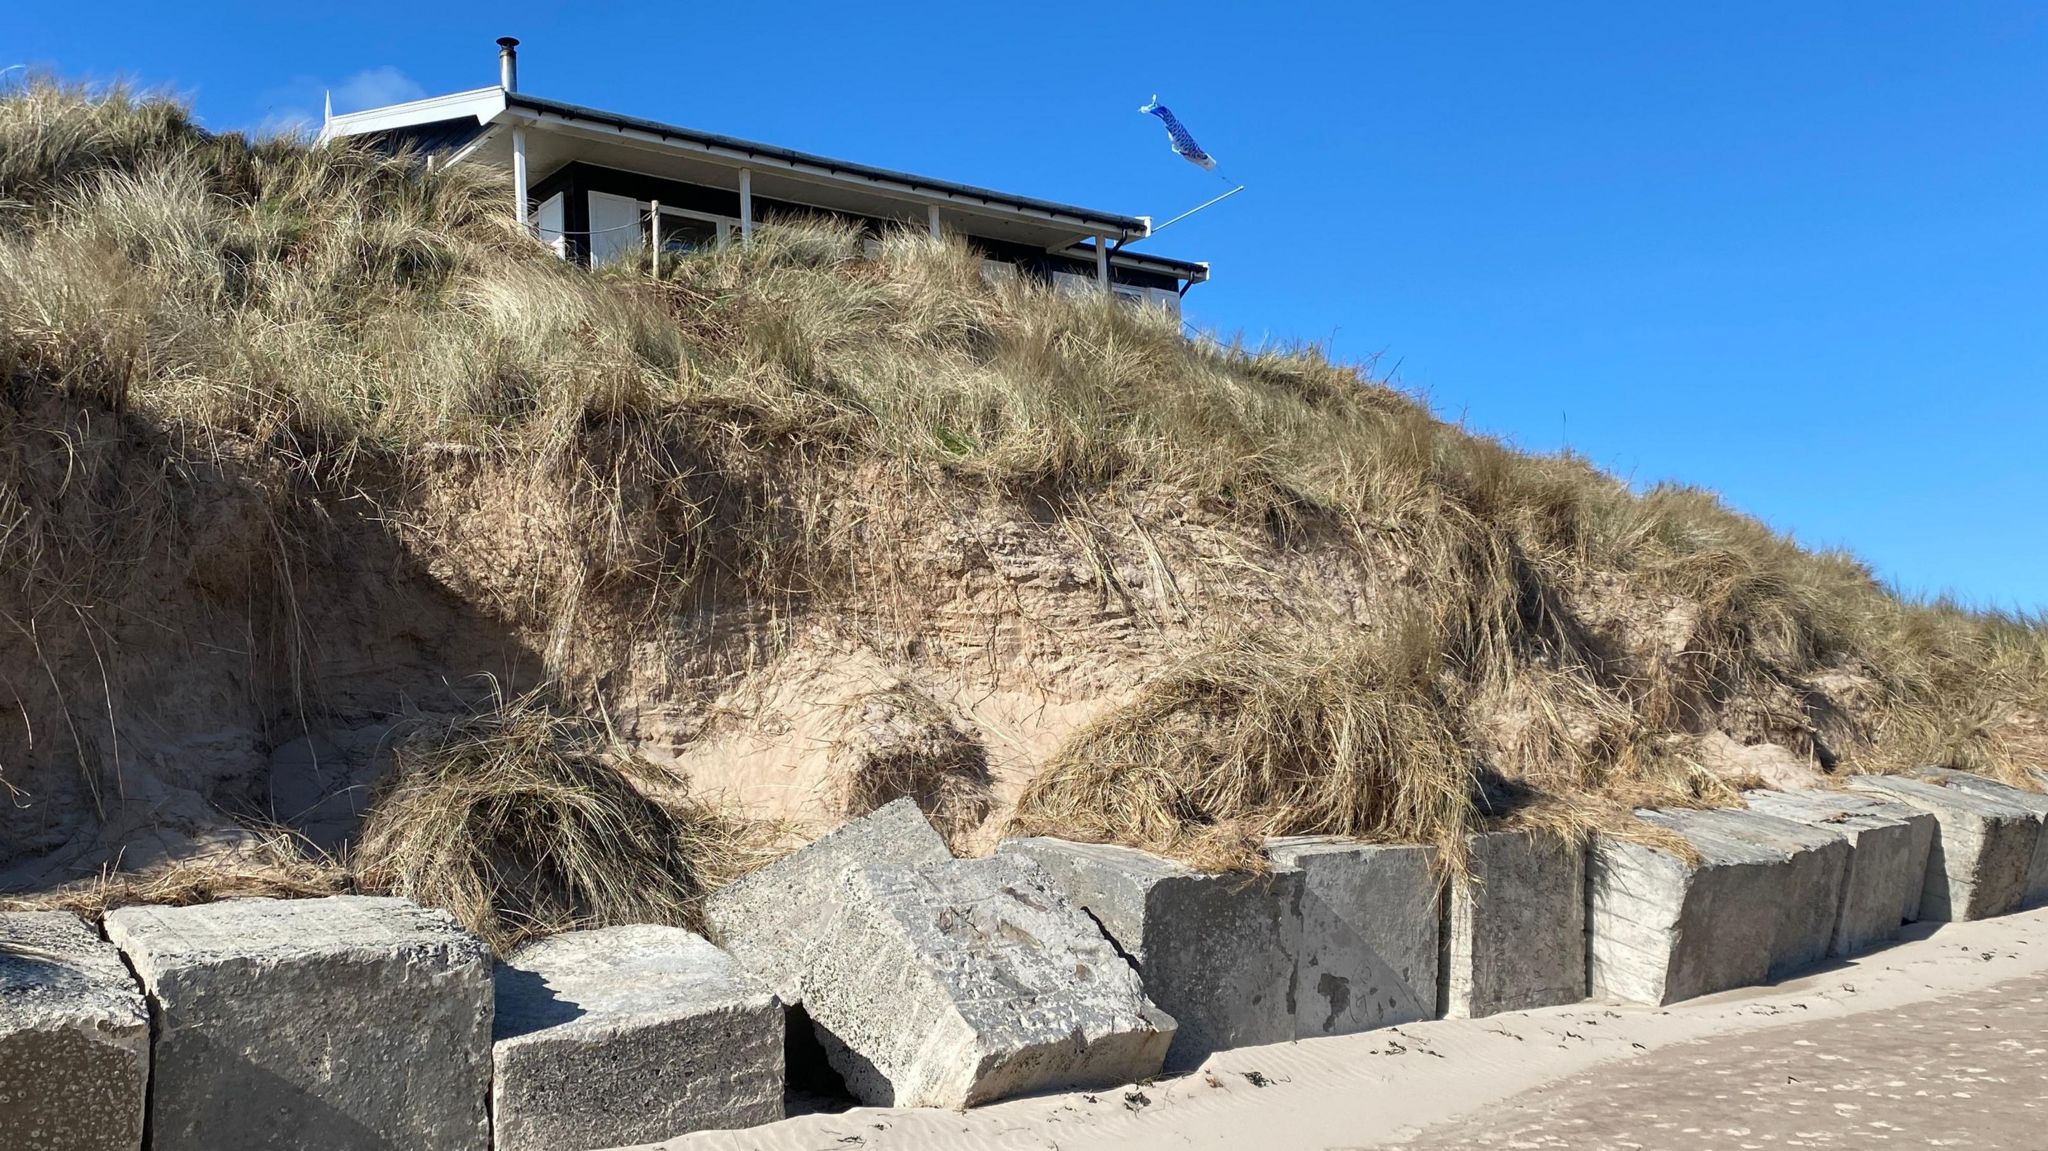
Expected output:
(685, 231)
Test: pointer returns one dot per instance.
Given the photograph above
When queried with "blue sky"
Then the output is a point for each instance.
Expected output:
(1794, 253)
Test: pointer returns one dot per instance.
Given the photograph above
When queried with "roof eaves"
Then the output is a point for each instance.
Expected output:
(482, 103)
(1196, 271)
(1125, 227)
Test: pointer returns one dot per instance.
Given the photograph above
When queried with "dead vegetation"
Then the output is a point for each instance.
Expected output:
(524, 822)
(596, 461)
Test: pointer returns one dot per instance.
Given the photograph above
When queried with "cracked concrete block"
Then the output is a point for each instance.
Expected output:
(74, 1038)
(1983, 846)
(1369, 927)
(959, 982)
(1661, 928)
(1889, 844)
(1217, 952)
(347, 1022)
(1515, 937)
(624, 1035)
(2036, 888)
(1808, 901)
(767, 919)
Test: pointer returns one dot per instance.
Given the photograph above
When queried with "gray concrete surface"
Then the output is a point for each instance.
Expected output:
(1808, 898)
(349, 1022)
(768, 919)
(624, 1035)
(2036, 892)
(1515, 936)
(74, 1038)
(1983, 847)
(958, 982)
(1369, 930)
(1216, 952)
(1888, 845)
(1660, 928)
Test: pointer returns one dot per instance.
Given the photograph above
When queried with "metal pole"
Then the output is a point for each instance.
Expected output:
(1191, 211)
(519, 175)
(746, 206)
(932, 213)
(654, 235)
(1102, 261)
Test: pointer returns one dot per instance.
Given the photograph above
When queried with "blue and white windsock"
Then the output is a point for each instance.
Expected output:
(1184, 144)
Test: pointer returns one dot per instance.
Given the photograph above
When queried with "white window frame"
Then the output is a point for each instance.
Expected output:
(728, 226)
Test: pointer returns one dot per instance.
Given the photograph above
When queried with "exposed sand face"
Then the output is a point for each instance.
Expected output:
(1385, 1087)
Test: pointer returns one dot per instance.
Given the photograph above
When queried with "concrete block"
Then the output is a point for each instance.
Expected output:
(1889, 843)
(1515, 937)
(346, 1022)
(959, 982)
(1217, 952)
(1810, 896)
(626, 1035)
(768, 919)
(1983, 846)
(2036, 890)
(1660, 928)
(1368, 951)
(74, 1038)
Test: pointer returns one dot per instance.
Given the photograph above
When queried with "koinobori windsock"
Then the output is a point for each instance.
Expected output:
(1184, 144)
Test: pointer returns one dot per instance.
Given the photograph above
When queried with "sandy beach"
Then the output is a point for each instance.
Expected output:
(1436, 1084)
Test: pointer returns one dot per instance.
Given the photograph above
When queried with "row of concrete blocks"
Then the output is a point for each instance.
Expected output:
(362, 1022)
(1800, 876)
(365, 1022)
(369, 1023)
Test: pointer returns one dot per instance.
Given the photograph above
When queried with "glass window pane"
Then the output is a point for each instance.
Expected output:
(687, 233)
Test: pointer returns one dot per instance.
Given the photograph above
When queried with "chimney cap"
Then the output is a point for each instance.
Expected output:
(508, 41)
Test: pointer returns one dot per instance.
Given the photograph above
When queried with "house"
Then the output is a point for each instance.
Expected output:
(598, 185)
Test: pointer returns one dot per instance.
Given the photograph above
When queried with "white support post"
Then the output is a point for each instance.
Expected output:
(746, 206)
(654, 236)
(519, 175)
(932, 213)
(1102, 262)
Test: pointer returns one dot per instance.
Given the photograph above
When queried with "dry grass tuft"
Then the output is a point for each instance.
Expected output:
(1262, 735)
(523, 822)
(277, 868)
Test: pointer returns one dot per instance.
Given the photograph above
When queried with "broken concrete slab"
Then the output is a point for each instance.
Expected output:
(959, 982)
(767, 919)
(1810, 896)
(1368, 951)
(1889, 844)
(1217, 952)
(623, 1035)
(346, 1022)
(1515, 936)
(74, 1038)
(1661, 928)
(1983, 847)
(2036, 892)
